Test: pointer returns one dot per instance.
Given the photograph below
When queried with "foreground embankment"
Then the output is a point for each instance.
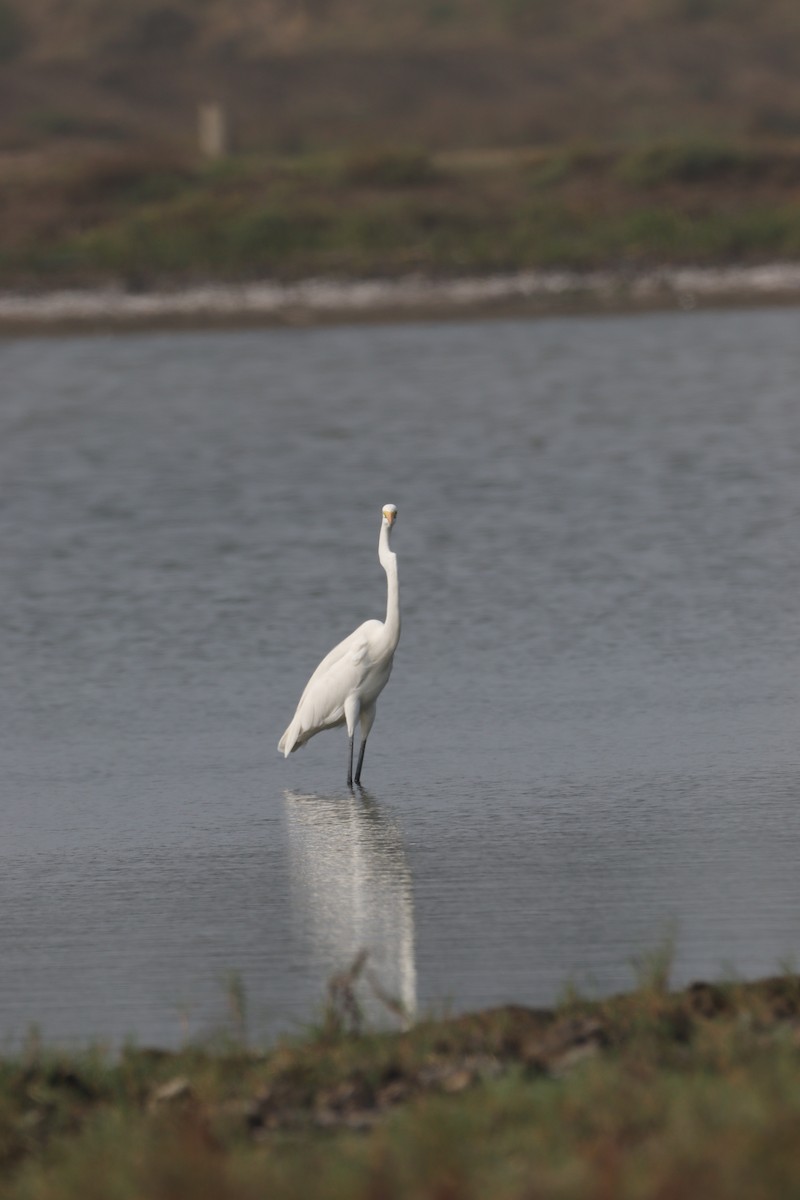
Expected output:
(694, 1093)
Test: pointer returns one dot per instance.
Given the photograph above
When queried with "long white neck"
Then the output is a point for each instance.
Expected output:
(388, 561)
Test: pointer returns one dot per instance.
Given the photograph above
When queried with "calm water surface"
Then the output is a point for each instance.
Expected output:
(591, 734)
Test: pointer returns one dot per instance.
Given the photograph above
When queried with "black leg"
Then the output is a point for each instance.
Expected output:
(350, 763)
(360, 759)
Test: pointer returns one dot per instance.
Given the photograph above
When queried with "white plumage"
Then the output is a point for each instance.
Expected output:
(345, 686)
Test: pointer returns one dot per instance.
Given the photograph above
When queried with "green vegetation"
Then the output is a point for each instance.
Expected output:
(155, 220)
(689, 162)
(647, 1095)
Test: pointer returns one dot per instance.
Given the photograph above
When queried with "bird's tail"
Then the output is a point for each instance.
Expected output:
(288, 742)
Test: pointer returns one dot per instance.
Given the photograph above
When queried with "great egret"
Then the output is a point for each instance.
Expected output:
(345, 686)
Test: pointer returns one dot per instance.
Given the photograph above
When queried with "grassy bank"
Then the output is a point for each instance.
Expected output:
(652, 1094)
(150, 221)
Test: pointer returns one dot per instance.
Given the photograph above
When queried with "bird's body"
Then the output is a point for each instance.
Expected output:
(345, 686)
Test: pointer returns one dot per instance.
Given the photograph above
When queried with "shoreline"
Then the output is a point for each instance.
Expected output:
(323, 301)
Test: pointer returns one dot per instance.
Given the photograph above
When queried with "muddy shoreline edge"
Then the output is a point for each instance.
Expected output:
(321, 301)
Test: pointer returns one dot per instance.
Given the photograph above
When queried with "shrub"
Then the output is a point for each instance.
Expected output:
(136, 176)
(389, 168)
(57, 123)
(684, 162)
(559, 165)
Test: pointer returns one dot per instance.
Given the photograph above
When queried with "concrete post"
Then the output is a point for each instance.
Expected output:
(212, 130)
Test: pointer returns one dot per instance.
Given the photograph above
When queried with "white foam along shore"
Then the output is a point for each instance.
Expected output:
(326, 299)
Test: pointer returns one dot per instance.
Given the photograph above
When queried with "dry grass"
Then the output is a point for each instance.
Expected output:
(309, 74)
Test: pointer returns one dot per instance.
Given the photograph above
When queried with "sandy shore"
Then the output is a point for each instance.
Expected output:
(319, 301)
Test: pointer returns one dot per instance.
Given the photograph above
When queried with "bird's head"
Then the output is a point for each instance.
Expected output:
(389, 515)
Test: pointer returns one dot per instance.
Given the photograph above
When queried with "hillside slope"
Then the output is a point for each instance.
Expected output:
(309, 74)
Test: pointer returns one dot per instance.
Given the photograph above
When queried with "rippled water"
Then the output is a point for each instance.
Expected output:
(590, 735)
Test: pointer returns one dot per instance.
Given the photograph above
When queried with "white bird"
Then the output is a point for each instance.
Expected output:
(345, 686)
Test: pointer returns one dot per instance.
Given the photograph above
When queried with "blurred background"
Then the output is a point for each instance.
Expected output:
(160, 142)
(310, 74)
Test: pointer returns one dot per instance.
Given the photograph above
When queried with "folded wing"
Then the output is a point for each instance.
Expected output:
(322, 702)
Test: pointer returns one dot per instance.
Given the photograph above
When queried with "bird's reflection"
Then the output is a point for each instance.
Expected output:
(354, 888)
